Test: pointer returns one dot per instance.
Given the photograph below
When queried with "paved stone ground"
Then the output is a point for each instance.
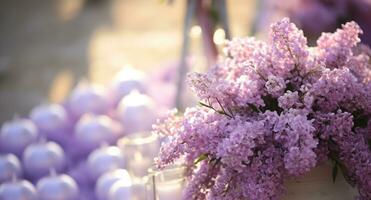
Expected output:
(46, 46)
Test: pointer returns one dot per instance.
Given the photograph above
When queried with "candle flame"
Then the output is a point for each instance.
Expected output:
(196, 31)
(219, 36)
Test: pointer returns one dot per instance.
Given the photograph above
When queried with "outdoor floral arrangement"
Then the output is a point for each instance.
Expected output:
(273, 110)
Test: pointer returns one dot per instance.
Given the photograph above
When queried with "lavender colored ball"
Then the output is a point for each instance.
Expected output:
(92, 130)
(125, 82)
(106, 181)
(9, 167)
(40, 158)
(88, 98)
(121, 190)
(16, 135)
(137, 112)
(49, 118)
(18, 190)
(57, 187)
(80, 173)
(105, 159)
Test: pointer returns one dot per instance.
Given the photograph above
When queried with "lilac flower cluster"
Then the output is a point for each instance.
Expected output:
(316, 16)
(273, 110)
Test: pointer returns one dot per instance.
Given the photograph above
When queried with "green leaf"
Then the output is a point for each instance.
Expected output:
(335, 171)
(200, 158)
(253, 107)
(271, 104)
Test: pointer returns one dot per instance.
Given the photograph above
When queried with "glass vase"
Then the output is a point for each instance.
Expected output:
(166, 184)
(139, 150)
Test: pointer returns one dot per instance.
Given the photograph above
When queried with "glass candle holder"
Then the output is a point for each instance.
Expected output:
(139, 150)
(166, 184)
(121, 190)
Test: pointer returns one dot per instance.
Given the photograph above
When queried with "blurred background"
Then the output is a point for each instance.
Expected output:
(47, 46)
(79, 75)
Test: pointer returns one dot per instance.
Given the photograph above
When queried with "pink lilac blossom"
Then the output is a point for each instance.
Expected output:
(351, 150)
(289, 47)
(289, 100)
(317, 16)
(274, 110)
(275, 86)
(335, 53)
(295, 134)
(202, 181)
(240, 144)
(339, 88)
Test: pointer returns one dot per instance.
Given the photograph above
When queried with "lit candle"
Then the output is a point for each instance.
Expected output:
(88, 98)
(38, 158)
(9, 167)
(166, 184)
(137, 112)
(138, 165)
(105, 159)
(138, 189)
(15, 135)
(57, 187)
(52, 121)
(125, 82)
(92, 130)
(18, 190)
(169, 190)
(139, 151)
(106, 181)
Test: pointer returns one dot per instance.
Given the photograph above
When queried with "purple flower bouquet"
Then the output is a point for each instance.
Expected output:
(274, 110)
